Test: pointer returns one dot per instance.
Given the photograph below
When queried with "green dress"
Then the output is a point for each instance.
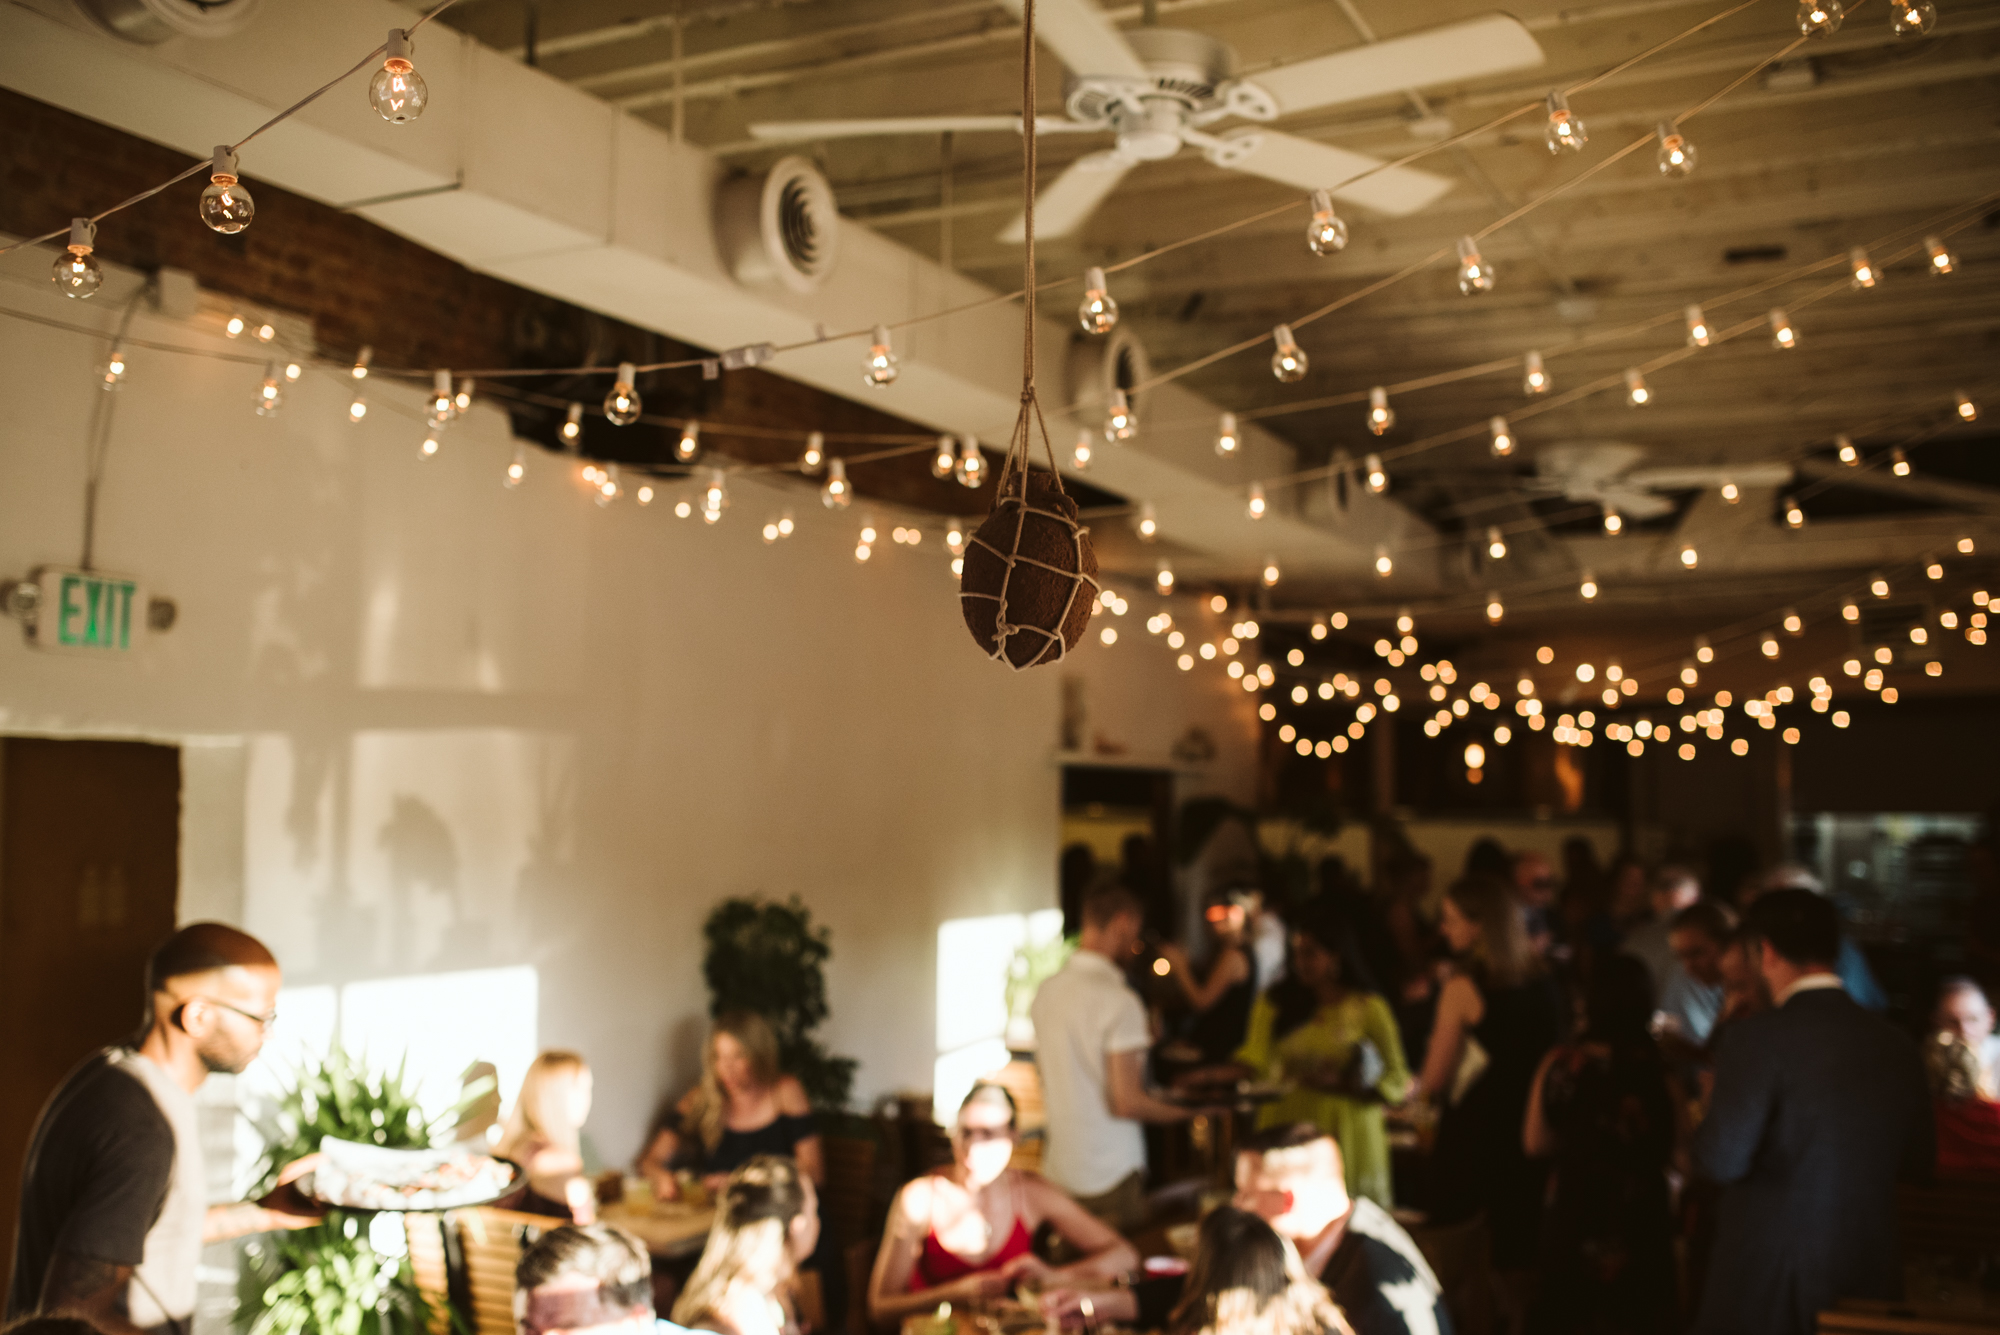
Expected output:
(1327, 1040)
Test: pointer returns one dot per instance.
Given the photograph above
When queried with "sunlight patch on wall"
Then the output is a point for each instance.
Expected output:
(974, 957)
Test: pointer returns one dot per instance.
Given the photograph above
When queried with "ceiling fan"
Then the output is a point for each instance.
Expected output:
(1603, 472)
(1157, 89)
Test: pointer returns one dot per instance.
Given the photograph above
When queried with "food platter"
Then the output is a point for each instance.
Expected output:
(353, 1176)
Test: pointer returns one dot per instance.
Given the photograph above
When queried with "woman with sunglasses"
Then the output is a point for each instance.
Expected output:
(964, 1233)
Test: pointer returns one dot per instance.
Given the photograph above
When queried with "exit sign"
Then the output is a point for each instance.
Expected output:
(87, 611)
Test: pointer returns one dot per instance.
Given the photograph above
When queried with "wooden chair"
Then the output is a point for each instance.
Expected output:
(491, 1242)
(430, 1269)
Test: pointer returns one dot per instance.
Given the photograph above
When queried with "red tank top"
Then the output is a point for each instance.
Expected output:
(937, 1264)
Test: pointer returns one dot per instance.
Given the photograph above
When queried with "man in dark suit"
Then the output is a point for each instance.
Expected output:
(1818, 1105)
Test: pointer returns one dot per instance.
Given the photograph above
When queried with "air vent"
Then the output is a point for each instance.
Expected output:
(1753, 255)
(781, 230)
(1098, 366)
(150, 22)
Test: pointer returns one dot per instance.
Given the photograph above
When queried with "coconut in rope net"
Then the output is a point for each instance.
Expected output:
(1029, 585)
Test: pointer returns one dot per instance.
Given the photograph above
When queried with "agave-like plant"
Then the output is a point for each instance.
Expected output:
(329, 1279)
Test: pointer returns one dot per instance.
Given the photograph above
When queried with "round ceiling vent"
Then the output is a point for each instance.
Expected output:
(149, 22)
(782, 229)
(1099, 365)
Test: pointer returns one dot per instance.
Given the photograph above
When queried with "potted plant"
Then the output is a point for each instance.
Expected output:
(770, 958)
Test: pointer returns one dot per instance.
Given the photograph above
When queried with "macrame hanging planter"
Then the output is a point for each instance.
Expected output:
(1029, 586)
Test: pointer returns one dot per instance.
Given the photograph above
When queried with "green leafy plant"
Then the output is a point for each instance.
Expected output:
(328, 1279)
(770, 958)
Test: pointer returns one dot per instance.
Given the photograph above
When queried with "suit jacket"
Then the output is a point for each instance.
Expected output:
(1819, 1105)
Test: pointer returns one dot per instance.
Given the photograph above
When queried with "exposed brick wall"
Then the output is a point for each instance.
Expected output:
(347, 275)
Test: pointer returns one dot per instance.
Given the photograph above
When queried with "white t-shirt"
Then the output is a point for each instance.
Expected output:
(1083, 1014)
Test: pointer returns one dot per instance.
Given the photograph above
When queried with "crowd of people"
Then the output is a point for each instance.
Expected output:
(1615, 1104)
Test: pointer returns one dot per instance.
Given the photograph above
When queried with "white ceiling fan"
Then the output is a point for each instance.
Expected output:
(1604, 472)
(1157, 89)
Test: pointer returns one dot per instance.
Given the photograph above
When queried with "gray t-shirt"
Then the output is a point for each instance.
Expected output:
(114, 1174)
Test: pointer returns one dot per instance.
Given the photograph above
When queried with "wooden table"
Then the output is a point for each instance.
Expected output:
(669, 1228)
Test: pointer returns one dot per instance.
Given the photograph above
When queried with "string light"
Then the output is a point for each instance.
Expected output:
(689, 443)
(572, 426)
(461, 401)
(78, 274)
(1326, 233)
(1942, 260)
(1588, 588)
(813, 457)
(1731, 493)
(226, 206)
(1225, 436)
(1496, 545)
(1795, 517)
(1912, 18)
(1565, 126)
(1965, 546)
(1099, 313)
(397, 92)
(234, 328)
(1689, 557)
(1378, 481)
(1535, 379)
(362, 359)
(944, 458)
(880, 367)
(1704, 652)
(114, 370)
(1865, 273)
(1697, 323)
(1690, 675)
(1289, 362)
(357, 409)
(1819, 18)
(1878, 586)
(1503, 437)
(1079, 456)
(645, 494)
(1768, 643)
(1380, 415)
(1850, 611)
(1782, 333)
(293, 371)
(971, 468)
(836, 494)
(1384, 566)
(621, 404)
(1966, 408)
(433, 441)
(1636, 393)
(1793, 623)
(1122, 423)
(1271, 572)
(714, 496)
(517, 468)
(1899, 462)
(1848, 454)
(1676, 155)
(1474, 273)
(270, 394)
(1933, 568)
(1614, 523)
(1494, 610)
(1256, 506)
(266, 332)
(1163, 580)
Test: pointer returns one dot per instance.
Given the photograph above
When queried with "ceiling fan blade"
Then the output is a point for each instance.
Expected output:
(890, 125)
(1466, 50)
(1713, 475)
(1085, 39)
(1311, 165)
(1067, 201)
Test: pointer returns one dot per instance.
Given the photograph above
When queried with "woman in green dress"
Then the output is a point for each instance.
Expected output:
(1326, 1032)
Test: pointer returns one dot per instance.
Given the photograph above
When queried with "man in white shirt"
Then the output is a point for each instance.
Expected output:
(1091, 1037)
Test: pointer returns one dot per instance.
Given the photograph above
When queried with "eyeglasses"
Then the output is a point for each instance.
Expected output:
(262, 1021)
(978, 1134)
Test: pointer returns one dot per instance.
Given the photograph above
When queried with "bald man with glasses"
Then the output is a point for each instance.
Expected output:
(112, 1217)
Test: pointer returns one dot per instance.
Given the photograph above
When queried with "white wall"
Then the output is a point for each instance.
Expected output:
(437, 726)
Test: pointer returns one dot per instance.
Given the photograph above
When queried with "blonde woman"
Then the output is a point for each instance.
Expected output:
(965, 1232)
(743, 1107)
(544, 1134)
(766, 1223)
(1247, 1280)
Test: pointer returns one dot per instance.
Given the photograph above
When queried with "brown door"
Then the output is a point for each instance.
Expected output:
(89, 863)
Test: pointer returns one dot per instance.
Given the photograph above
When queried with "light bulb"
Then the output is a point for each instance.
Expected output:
(357, 409)
(234, 328)
(77, 273)
(440, 409)
(1689, 674)
(1689, 558)
(1256, 506)
(1503, 437)
(433, 441)
(1966, 408)
(270, 394)
(114, 369)
(1079, 456)
(1637, 395)
(689, 444)
(461, 399)
(1535, 379)
(714, 496)
(1565, 126)
(1698, 332)
(1865, 273)
(1225, 435)
(1588, 588)
(517, 468)
(880, 368)
(786, 524)
(1794, 623)
(362, 360)
(1098, 313)
(1899, 462)
(1942, 260)
(1163, 580)
(607, 484)
(397, 91)
(1878, 586)
(1731, 493)
(266, 332)
(1380, 415)
(1474, 274)
(1705, 653)
(813, 457)
(226, 206)
(1912, 18)
(1271, 572)
(1933, 568)
(1676, 156)
(1494, 610)
(1768, 643)
(945, 457)
(1371, 467)
(836, 494)
(971, 467)
(1848, 454)
(1496, 544)
(1147, 525)
(1289, 362)
(1819, 18)
(1326, 233)
(621, 405)
(1614, 523)
(644, 495)
(1121, 423)
(1782, 333)
(1850, 610)
(1383, 565)
(1794, 516)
